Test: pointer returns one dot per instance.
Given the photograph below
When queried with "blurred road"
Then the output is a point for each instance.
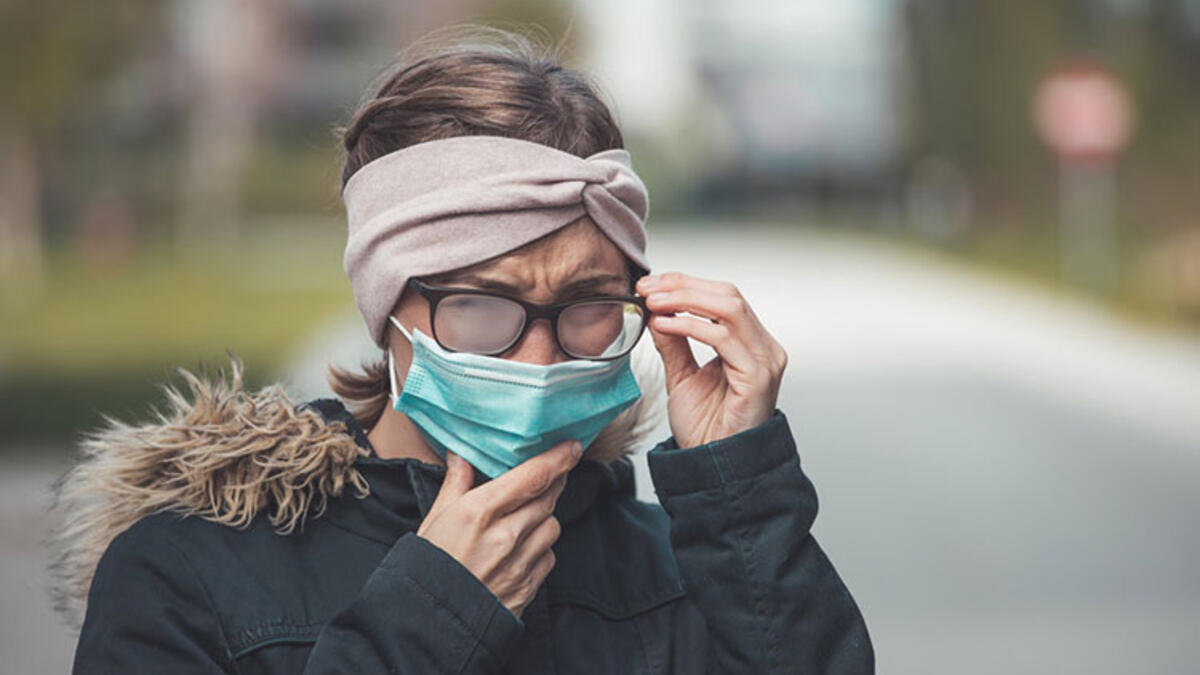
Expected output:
(1007, 477)
(32, 640)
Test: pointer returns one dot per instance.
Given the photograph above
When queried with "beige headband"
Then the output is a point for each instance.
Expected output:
(441, 205)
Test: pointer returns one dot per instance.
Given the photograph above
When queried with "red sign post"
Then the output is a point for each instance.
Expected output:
(1084, 115)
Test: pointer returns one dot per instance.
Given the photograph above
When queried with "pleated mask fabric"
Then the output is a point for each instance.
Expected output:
(445, 204)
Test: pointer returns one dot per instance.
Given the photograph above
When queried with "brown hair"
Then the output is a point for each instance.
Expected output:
(462, 82)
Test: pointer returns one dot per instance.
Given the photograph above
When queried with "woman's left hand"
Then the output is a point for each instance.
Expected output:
(734, 391)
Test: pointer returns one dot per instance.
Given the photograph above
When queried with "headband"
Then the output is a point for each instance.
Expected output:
(441, 205)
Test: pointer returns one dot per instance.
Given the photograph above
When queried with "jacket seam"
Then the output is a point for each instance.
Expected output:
(723, 472)
(586, 601)
(275, 631)
(653, 667)
(278, 639)
(752, 566)
(720, 487)
(208, 598)
(712, 455)
(457, 620)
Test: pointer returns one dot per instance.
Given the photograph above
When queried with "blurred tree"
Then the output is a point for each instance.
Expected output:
(416, 20)
(975, 67)
(55, 57)
(231, 51)
(551, 16)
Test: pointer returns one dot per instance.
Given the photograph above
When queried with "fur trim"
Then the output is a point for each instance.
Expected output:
(230, 455)
(227, 456)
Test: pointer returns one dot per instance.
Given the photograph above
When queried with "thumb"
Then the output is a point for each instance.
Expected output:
(678, 361)
(460, 478)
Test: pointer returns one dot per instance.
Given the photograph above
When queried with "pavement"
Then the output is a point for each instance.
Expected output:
(1006, 475)
(32, 639)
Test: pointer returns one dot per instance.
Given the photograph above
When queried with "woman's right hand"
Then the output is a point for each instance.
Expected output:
(502, 530)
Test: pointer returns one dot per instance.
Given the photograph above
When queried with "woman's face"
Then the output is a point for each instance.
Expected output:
(574, 262)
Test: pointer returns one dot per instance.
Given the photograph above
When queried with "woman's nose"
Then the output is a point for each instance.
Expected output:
(537, 346)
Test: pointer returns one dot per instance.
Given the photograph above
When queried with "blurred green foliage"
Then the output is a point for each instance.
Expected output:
(57, 55)
(286, 174)
(102, 338)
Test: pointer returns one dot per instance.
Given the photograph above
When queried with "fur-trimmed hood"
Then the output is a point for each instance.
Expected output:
(230, 455)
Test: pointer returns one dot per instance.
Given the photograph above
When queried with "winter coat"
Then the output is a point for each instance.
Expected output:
(249, 534)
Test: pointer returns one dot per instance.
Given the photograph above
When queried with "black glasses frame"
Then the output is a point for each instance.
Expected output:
(435, 294)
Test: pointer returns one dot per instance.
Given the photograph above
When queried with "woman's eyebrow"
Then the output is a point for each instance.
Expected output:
(573, 287)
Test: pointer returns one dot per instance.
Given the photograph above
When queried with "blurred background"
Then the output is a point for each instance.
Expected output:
(974, 225)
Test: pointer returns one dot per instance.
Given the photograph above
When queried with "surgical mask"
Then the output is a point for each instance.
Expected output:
(496, 413)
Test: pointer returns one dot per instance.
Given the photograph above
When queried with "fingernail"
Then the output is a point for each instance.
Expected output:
(576, 449)
(651, 281)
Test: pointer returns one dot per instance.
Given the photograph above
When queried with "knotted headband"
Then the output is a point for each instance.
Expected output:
(441, 205)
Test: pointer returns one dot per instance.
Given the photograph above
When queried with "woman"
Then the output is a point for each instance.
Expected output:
(479, 517)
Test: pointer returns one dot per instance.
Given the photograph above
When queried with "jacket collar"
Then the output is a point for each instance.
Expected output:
(402, 490)
(228, 454)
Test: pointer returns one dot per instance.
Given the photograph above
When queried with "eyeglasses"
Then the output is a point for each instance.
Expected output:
(599, 328)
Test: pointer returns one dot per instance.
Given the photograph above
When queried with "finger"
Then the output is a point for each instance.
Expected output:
(530, 579)
(716, 335)
(536, 543)
(460, 478)
(733, 311)
(529, 478)
(541, 568)
(669, 281)
(701, 303)
(525, 518)
(679, 363)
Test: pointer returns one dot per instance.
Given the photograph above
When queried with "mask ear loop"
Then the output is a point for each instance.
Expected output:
(392, 376)
(392, 362)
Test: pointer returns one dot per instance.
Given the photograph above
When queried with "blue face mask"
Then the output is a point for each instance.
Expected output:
(496, 413)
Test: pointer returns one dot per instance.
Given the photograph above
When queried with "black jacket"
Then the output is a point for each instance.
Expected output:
(724, 577)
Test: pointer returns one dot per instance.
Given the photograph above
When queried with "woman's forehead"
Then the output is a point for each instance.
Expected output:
(579, 249)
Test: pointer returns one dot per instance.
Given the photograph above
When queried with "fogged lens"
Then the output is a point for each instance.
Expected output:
(599, 329)
(480, 324)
